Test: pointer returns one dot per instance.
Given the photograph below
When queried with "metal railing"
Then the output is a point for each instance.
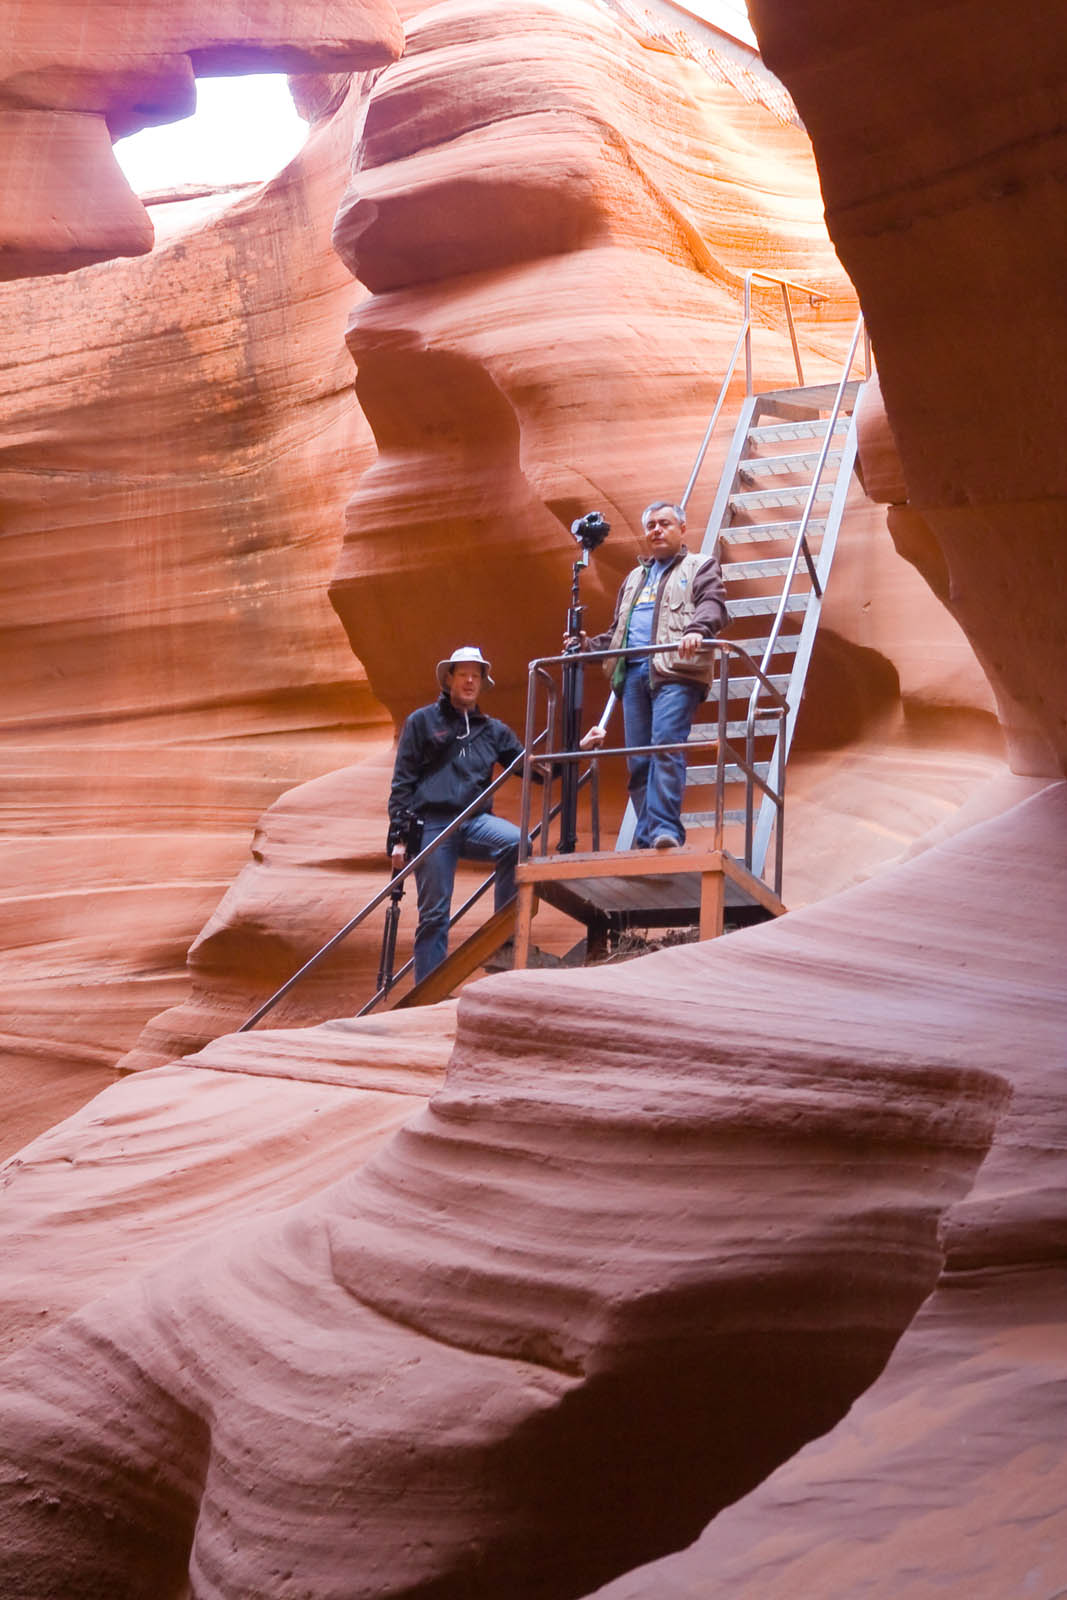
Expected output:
(775, 706)
(744, 342)
(800, 544)
(814, 295)
(476, 805)
(723, 652)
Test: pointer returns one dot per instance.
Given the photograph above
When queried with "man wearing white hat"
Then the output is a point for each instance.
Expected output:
(444, 760)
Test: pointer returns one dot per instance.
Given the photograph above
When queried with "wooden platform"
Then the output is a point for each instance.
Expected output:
(618, 889)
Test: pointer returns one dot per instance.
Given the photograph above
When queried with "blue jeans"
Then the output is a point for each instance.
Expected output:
(481, 838)
(663, 715)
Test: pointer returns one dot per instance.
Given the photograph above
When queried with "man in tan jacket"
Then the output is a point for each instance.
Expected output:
(672, 597)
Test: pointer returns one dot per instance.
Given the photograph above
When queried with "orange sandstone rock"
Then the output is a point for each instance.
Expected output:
(554, 221)
(72, 80)
(945, 1474)
(661, 1225)
(180, 436)
(944, 196)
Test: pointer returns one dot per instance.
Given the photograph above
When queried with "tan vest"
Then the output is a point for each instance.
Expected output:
(674, 613)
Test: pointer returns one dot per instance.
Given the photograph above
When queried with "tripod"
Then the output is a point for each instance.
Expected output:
(392, 923)
(573, 679)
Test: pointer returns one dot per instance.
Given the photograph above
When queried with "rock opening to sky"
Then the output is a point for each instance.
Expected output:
(244, 130)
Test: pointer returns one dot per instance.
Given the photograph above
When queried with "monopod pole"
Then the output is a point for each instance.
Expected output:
(573, 678)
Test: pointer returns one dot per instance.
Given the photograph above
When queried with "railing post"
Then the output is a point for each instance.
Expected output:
(527, 770)
(792, 334)
(721, 731)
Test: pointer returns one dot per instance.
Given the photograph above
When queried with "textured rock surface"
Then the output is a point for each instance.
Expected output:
(947, 1475)
(527, 1345)
(597, 1289)
(944, 195)
(628, 191)
(592, 205)
(72, 78)
(179, 438)
(162, 1159)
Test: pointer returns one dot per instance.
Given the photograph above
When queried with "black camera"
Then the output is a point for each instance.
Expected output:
(405, 831)
(590, 530)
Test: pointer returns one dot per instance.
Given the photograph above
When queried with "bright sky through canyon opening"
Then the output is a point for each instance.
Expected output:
(244, 130)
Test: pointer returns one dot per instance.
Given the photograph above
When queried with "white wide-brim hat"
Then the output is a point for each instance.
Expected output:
(466, 652)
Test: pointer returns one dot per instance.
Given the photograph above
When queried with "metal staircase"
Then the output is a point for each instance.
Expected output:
(774, 525)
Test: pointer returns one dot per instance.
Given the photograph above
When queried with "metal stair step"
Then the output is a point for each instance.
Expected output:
(782, 432)
(788, 495)
(785, 644)
(702, 776)
(739, 688)
(765, 605)
(822, 395)
(708, 732)
(742, 571)
(706, 819)
(769, 532)
(752, 467)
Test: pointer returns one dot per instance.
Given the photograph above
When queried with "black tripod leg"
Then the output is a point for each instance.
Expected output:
(389, 933)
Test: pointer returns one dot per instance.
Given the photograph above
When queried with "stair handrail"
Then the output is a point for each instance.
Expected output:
(725, 649)
(405, 872)
(801, 548)
(800, 544)
(753, 275)
(744, 342)
(742, 336)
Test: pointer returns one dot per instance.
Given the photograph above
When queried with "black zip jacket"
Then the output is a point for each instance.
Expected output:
(445, 759)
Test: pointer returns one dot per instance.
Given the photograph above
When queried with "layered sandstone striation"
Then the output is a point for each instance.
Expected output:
(592, 206)
(164, 1160)
(663, 1224)
(519, 370)
(945, 1474)
(70, 83)
(653, 1233)
(180, 436)
(944, 197)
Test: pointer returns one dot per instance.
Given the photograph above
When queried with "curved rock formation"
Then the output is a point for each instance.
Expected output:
(554, 221)
(592, 1294)
(664, 1223)
(946, 1475)
(944, 197)
(180, 436)
(164, 1159)
(72, 81)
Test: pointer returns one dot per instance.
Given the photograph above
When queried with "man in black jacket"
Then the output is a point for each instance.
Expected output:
(444, 760)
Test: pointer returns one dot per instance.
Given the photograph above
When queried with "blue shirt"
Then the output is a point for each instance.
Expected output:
(640, 629)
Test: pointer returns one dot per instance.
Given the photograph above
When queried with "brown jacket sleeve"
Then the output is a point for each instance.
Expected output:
(710, 613)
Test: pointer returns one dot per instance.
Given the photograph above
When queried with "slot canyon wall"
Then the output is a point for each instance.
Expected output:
(651, 1235)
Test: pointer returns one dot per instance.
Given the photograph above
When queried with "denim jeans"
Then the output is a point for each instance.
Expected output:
(662, 715)
(481, 838)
